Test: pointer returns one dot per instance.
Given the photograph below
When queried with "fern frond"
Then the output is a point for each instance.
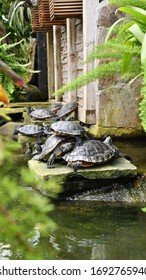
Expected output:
(101, 71)
(10, 46)
(113, 49)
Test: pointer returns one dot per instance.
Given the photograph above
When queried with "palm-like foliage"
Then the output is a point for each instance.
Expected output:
(16, 17)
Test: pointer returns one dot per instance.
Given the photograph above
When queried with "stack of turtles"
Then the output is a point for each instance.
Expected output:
(66, 139)
(69, 141)
(55, 112)
(66, 135)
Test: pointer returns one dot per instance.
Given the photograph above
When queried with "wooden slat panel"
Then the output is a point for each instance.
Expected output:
(36, 27)
(41, 21)
(44, 14)
(65, 9)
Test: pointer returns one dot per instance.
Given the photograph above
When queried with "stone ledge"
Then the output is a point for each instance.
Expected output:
(116, 168)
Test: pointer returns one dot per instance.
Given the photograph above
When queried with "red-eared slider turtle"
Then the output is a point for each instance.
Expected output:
(31, 130)
(55, 146)
(69, 128)
(65, 111)
(54, 108)
(41, 113)
(91, 152)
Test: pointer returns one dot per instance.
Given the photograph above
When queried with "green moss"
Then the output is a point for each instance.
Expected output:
(100, 132)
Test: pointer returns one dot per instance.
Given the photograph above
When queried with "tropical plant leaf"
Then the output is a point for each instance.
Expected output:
(135, 3)
(112, 28)
(135, 12)
(143, 209)
(125, 26)
(126, 62)
(143, 51)
(137, 32)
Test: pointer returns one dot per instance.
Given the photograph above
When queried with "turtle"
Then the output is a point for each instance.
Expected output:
(65, 111)
(54, 108)
(91, 152)
(69, 128)
(33, 130)
(54, 147)
(41, 113)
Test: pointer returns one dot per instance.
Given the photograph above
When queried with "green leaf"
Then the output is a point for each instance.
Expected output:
(126, 26)
(126, 62)
(112, 28)
(143, 50)
(135, 12)
(137, 32)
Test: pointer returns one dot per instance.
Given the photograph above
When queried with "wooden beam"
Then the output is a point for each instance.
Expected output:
(57, 58)
(89, 39)
(50, 64)
(71, 56)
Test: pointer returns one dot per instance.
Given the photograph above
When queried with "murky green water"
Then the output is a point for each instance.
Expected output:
(106, 223)
(98, 231)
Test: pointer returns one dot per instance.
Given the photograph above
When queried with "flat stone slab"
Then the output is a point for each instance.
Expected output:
(116, 168)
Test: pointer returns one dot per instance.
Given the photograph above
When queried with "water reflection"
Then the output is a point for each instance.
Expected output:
(99, 231)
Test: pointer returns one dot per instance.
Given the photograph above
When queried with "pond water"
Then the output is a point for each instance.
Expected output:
(106, 223)
(99, 231)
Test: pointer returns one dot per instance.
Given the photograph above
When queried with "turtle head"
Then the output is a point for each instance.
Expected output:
(108, 140)
(67, 146)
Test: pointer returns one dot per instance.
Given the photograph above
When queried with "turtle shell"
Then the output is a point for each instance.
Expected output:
(54, 108)
(66, 110)
(92, 152)
(40, 114)
(67, 128)
(30, 129)
(51, 143)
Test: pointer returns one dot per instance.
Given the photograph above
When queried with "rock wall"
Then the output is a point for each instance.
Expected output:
(117, 105)
(117, 110)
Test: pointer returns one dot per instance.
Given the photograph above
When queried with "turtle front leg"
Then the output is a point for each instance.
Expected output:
(79, 141)
(39, 139)
(50, 161)
(76, 165)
